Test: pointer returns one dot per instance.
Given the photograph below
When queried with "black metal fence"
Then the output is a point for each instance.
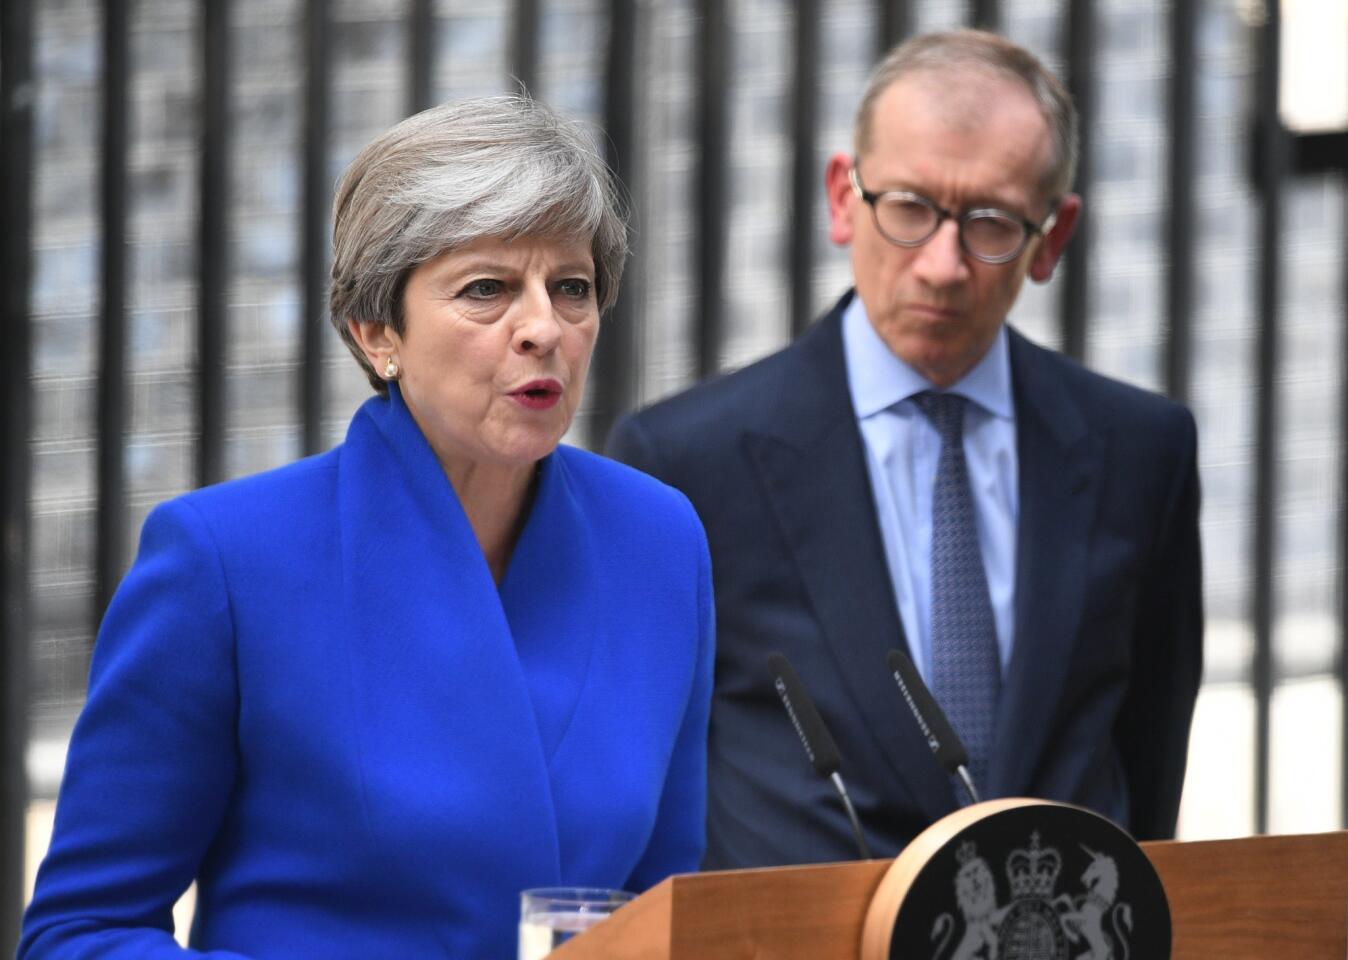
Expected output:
(16, 177)
(1276, 159)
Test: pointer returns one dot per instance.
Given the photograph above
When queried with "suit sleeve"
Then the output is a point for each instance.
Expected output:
(679, 837)
(152, 759)
(1168, 665)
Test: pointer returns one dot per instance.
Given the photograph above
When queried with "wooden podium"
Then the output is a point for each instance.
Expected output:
(1260, 898)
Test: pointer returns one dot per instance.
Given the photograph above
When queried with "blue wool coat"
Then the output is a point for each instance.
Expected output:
(309, 695)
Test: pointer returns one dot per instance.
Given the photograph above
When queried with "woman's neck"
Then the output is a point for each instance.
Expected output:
(496, 501)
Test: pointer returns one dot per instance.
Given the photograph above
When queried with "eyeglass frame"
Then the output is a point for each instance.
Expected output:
(871, 198)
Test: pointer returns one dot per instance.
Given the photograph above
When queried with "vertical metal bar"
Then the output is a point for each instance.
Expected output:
(111, 526)
(213, 246)
(616, 382)
(421, 59)
(17, 96)
(1342, 665)
(1079, 56)
(895, 23)
(1179, 226)
(713, 94)
(317, 191)
(987, 14)
(1273, 153)
(524, 43)
(805, 180)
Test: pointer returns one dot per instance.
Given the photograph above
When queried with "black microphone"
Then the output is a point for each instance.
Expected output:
(932, 721)
(814, 737)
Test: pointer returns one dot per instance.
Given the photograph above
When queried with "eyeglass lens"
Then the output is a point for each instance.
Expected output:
(985, 234)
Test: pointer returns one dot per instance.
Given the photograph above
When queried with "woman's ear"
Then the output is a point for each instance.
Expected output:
(1053, 243)
(378, 341)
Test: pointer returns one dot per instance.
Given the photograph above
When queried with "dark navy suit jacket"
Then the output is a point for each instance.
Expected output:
(1100, 689)
(310, 696)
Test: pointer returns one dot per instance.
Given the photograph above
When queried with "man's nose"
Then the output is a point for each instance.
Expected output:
(941, 261)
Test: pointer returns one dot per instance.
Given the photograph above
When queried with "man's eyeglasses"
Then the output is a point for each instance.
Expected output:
(987, 234)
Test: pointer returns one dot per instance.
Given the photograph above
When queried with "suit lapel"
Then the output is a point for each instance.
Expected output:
(1059, 483)
(813, 470)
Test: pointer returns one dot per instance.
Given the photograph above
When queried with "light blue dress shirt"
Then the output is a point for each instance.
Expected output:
(902, 449)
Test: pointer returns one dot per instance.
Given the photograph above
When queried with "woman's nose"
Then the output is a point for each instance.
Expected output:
(538, 329)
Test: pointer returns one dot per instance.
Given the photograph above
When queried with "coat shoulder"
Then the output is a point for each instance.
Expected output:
(709, 418)
(622, 497)
(277, 505)
(1104, 401)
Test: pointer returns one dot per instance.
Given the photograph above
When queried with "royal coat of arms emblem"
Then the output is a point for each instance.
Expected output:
(1038, 922)
(1019, 879)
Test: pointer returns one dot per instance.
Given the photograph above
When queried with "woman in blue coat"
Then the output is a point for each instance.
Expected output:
(365, 699)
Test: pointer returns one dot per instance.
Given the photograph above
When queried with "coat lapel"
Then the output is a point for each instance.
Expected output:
(441, 700)
(1059, 483)
(551, 599)
(813, 469)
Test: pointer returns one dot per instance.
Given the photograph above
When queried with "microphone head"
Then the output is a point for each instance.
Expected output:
(931, 719)
(814, 736)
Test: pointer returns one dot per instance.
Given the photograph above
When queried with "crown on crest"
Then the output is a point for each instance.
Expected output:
(1033, 872)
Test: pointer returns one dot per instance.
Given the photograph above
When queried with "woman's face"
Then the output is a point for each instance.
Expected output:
(496, 344)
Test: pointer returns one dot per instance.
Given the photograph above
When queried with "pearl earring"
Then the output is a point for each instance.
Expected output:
(391, 369)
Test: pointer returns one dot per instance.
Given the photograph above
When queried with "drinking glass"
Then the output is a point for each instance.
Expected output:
(550, 916)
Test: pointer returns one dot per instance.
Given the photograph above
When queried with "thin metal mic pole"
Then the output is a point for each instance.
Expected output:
(963, 773)
(851, 815)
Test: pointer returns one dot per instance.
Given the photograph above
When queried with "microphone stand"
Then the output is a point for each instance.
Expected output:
(851, 815)
(968, 783)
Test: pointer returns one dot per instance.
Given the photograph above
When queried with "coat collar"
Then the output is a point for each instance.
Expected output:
(433, 659)
(878, 379)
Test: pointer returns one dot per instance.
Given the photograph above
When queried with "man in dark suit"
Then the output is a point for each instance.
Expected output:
(914, 474)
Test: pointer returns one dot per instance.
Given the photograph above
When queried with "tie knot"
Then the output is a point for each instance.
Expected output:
(945, 411)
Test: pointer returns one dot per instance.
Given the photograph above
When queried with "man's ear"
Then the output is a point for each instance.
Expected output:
(841, 199)
(377, 341)
(1052, 244)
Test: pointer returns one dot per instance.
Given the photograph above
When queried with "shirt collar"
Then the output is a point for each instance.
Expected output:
(878, 379)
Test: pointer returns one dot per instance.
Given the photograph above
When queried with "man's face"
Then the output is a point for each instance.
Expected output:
(974, 141)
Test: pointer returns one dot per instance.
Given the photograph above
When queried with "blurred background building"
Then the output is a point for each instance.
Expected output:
(172, 329)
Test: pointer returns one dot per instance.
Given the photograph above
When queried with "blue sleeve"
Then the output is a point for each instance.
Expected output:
(679, 837)
(152, 758)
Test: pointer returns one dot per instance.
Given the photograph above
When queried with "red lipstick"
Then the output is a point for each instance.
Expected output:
(537, 394)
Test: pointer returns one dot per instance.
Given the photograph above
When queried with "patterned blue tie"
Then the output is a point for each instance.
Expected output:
(965, 668)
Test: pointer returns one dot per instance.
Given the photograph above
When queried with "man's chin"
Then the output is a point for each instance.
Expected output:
(944, 362)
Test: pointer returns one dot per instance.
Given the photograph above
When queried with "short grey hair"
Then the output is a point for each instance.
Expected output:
(962, 50)
(493, 167)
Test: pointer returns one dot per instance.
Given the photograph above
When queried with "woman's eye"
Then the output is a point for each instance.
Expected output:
(483, 289)
(575, 288)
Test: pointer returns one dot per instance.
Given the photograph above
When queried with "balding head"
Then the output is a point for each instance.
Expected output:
(962, 64)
